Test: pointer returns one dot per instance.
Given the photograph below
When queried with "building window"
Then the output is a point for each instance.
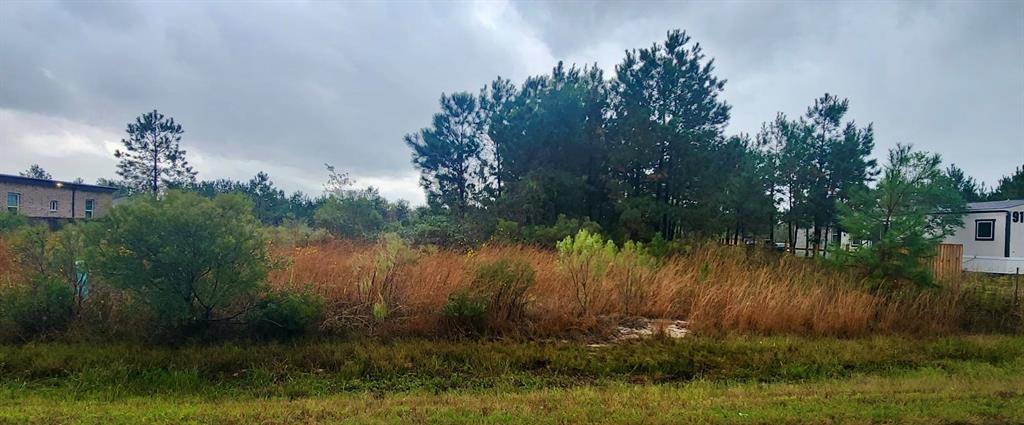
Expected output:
(53, 205)
(89, 204)
(985, 230)
(13, 201)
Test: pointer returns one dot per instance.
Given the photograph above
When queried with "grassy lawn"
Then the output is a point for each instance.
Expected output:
(730, 380)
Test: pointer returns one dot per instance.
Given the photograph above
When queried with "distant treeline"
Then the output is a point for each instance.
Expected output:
(645, 153)
(639, 156)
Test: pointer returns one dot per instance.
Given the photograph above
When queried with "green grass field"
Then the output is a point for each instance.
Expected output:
(700, 380)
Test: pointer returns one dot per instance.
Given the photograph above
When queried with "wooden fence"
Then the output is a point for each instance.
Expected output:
(948, 261)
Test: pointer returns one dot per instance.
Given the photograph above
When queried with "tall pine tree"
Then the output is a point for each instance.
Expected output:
(152, 157)
(1010, 187)
(666, 120)
(449, 154)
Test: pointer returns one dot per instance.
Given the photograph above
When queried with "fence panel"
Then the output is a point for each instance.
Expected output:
(948, 261)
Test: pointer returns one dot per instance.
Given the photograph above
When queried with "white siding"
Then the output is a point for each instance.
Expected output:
(991, 256)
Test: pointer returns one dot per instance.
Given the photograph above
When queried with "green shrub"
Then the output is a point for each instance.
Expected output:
(377, 290)
(42, 307)
(193, 260)
(634, 271)
(438, 230)
(464, 314)
(585, 259)
(510, 232)
(354, 217)
(662, 249)
(54, 255)
(11, 221)
(297, 233)
(503, 284)
(286, 315)
(507, 232)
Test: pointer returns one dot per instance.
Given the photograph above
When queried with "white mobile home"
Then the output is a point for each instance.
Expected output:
(831, 237)
(992, 237)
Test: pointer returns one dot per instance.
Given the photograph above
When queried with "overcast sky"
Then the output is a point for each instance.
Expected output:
(286, 87)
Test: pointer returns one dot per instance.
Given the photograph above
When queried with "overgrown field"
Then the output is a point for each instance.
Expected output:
(718, 289)
(392, 289)
(697, 380)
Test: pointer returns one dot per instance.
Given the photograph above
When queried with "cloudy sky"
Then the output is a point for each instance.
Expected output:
(286, 87)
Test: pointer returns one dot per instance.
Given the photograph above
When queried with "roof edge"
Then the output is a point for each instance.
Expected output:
(54, 183)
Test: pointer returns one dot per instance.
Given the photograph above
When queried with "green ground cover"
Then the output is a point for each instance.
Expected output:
(729, 380)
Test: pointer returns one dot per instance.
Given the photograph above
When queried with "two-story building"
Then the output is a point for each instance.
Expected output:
(55, 201)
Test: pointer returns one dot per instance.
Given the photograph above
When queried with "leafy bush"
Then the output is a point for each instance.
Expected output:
(503, 284)
(286, 315)
(194, 261)
(11, 221)
(58, 256)
(43, 306)
(297, 233)
(438, 230)
(354, 217)
(377, 289)
(464, 313)
(585, 258)
(510, 232)
(634, 271)
(662, 249)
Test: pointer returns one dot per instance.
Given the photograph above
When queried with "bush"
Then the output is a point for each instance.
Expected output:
(377, 289)
(585, 258)
(11, 221)
(297, 233)
(634, 272)
(510, 232)
(662, 249)
(286, 315)
(354, 217)
(464, 314)
(42, 307)
(193, 260)
(42, 254)
(438, 230)
(503, 284)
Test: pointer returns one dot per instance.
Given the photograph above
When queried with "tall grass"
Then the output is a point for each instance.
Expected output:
(718, 289)
(384, 290)
(9, 275)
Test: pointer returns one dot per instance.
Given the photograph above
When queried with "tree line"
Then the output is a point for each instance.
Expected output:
(638, 156)
(645, 153)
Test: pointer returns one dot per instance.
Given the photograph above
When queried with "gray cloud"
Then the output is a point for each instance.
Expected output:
(286, 87)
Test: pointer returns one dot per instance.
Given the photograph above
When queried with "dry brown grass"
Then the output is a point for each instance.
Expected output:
(9, 273)
(719, 289)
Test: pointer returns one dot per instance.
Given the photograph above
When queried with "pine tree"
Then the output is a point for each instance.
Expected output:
(498, 103)
(970, 189)
(839, 161)
(747, 198)
(667, 121)
(913, 207)
(1010, 187)
(152, 157)
(788, 144)
(449, 154)
(551, 145)
(36, 172)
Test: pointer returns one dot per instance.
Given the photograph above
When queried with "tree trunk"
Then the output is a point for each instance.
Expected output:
(791, 236)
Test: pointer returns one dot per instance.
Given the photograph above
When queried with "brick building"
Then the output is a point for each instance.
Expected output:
(55, 201)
